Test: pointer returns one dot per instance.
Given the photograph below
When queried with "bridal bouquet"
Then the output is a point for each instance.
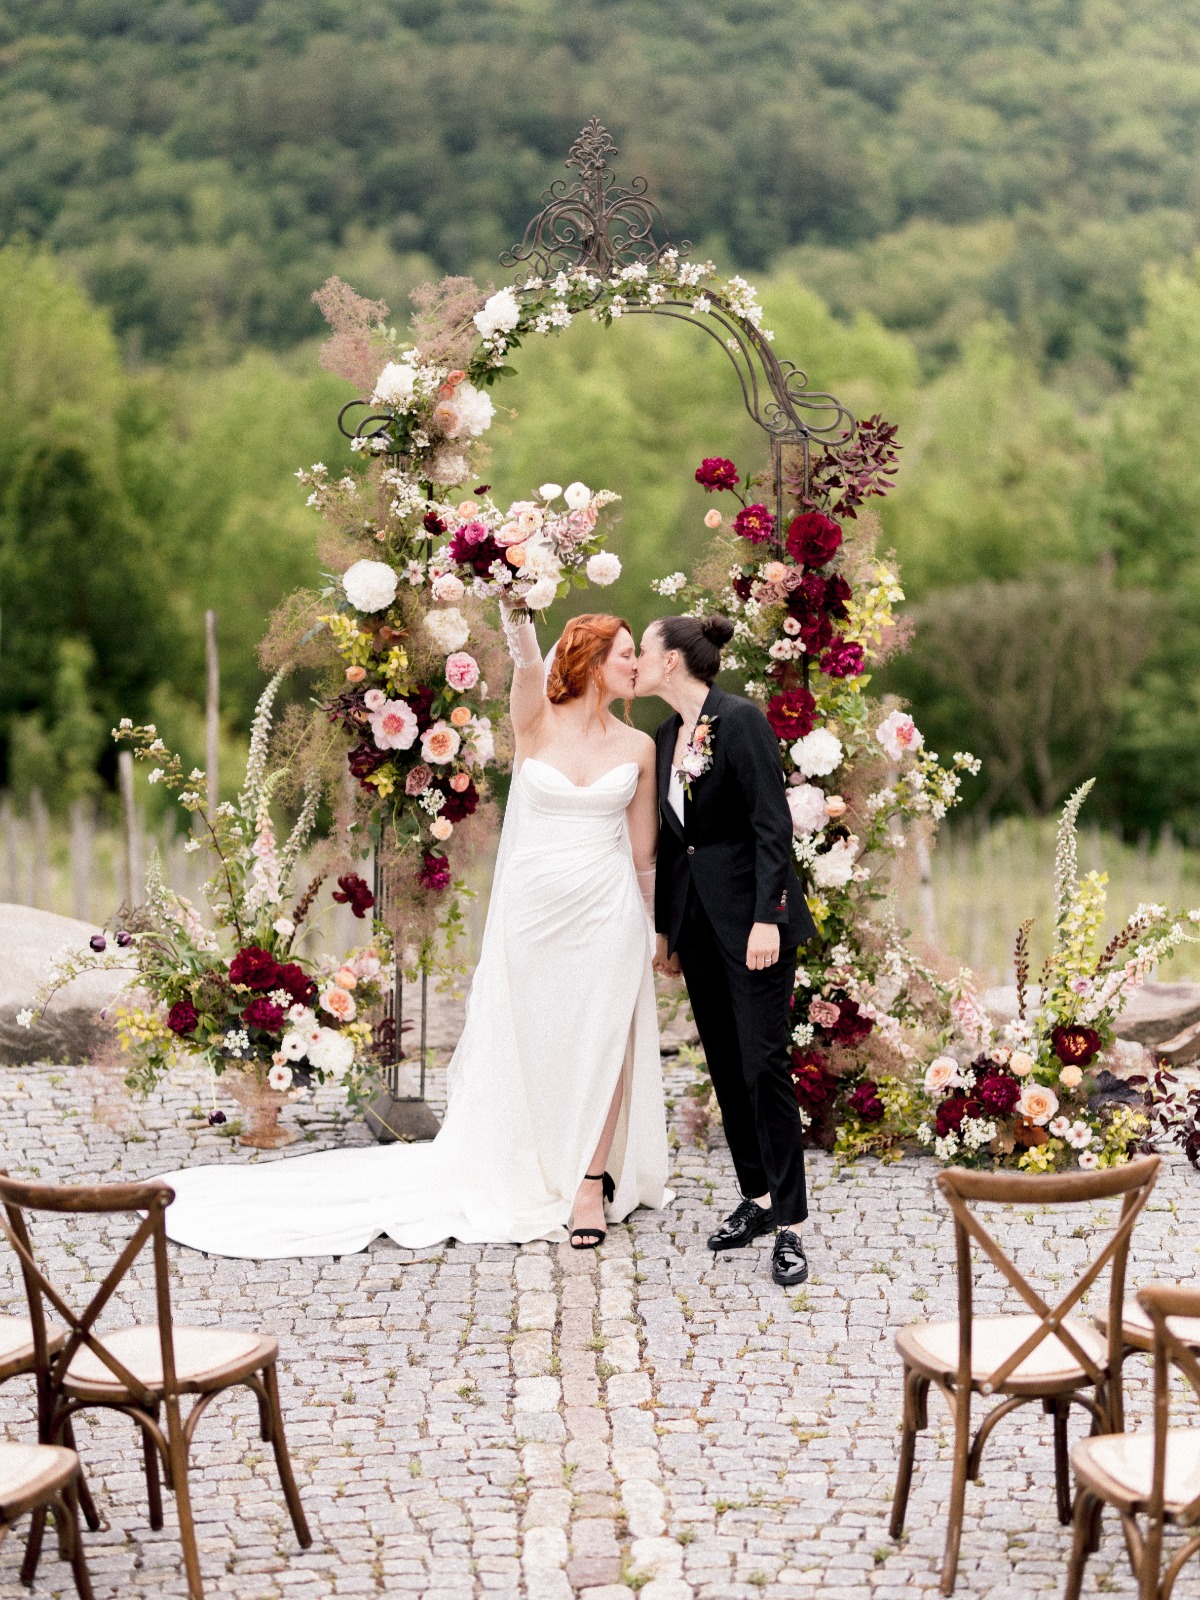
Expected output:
(232, 987)
(1031, 1097)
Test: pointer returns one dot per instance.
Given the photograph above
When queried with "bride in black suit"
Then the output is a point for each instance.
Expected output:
(729, 912)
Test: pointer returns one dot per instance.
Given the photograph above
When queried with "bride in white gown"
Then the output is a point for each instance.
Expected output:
(556, 1080)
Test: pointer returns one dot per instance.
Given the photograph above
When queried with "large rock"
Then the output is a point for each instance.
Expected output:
(30, 943)
(1165, 1017)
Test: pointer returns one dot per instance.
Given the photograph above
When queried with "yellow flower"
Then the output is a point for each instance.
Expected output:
(394, 665)
(383, 781)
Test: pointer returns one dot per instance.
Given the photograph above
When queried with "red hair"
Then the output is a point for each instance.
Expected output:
(580, 656)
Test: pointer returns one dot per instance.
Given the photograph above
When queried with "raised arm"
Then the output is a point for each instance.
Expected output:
(527, 697)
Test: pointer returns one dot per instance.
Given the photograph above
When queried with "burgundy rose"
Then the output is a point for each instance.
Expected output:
(813, 539)
(352, 891)
(365, 759)
(791, 714)
(458, 804)
(292, 978)
(950, 1114)
(435, 873)
(864, 1101)
(265, 1014)
(755, 523)
(843, 660)
(1073, 1044)
(851, 1027)
(182, 1017)
(432, 523)
(715, 472)
(255, 968)
(742, 587)
(999, 1092)
(837, 595)
(807, 595)
(815, 633)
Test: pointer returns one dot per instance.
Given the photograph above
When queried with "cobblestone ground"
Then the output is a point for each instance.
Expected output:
(476, 1421)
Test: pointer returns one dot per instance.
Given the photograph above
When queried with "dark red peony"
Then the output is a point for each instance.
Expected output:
(421, 700)
(815, 633)
(352, 891)
(864, 1101)
(813, 539)
(837, 595)
(792, 713)
(256, 968)
(715, 472)
(432, 523)
(807, 595)
(473, 546)
(1073, 1044)
(999, 1092)
(458, 805)
(742, 587)
(435, 872)
(755, 523)
(265, 1014)
(843, 660)
(851, 1027)
(813, 1083)
(953, 1112)
(182, 1017)
(292, 978)
(364, 759)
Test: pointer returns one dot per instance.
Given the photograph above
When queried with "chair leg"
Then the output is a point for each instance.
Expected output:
(1062, 1461)
(86, 1504)
(958, 1488)
(177, 1452)
(67, 1516)
(282, 1460)
(33, 1545)
(915, 1389)
(1151, 1561)
(1084, 1542)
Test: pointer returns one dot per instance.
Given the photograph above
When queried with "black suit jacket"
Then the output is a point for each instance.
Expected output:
(734, 845)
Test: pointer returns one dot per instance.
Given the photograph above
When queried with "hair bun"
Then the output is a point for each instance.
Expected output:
(717, 628)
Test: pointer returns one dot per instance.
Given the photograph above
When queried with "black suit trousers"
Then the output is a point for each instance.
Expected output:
(743, 1020)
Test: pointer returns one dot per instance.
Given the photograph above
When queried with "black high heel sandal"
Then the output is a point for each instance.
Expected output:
(592, 1238)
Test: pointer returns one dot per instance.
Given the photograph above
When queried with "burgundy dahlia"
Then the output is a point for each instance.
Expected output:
(864, 1101)
(755, 523)
(421, 700)
(292, 978)
(813, 1083)
(182, 1017)
(999, 1092)
(1073, 1044)
(792, 713)
(435, 873)
(352, 891)
(813, 538)
(256, 968)
(715, 472)
(458, 804)
(843, 660)
(953, 1112)
(265, 1014)
(743, 587)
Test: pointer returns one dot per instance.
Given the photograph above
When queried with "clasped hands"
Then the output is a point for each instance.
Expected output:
(762, 951)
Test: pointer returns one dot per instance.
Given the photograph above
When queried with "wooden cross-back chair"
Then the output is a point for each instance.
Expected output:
(34, 1477)
(1044, 1354)
(143, 1370)
(1152, 1472)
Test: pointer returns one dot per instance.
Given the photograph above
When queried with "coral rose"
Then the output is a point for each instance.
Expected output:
(440, 743)
(355, 674)
(1037, 1104)
(339, 1003)
(460, 716)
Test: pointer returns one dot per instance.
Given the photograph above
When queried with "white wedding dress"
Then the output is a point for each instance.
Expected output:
(561, 1006)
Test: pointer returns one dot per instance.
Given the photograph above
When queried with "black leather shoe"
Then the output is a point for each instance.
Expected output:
(741, 1226)
(789, 1264)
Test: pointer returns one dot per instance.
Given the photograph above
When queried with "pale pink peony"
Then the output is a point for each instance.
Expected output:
(899, 735)
(439, 743)
(942, 1073)
(367, 963)
(807, 804)
(394, 725)
(1037, 1103)
(462, 671)
(339, 1003)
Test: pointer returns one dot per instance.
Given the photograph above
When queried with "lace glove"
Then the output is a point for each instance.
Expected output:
(520, 635)
(645, 882)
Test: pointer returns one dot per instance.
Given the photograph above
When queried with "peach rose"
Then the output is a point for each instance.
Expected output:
(460, 716)
(339, 1003)
(355, 674)
(440, 743)
(1020, 1063)
(459, 781)
(942, 1073)
(515, 555)
(835, 806)
(467, 508)
(775, 572)
(713, 518)
(441, 827)
(345, 977)
(1037, 1103)
(453, 379)
(1071, 1077)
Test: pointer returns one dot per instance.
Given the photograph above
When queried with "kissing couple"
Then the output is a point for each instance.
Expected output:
(620, 856)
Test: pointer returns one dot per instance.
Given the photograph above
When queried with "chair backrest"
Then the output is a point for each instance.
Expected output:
(1160, 1302)
(152, 1199)
(1133, 1181)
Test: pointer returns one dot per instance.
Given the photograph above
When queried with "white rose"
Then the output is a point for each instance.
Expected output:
(550, 491)
(481, 743)
(577, 495)
(540, 561)
(542, 594)
(448, 629)
(834, 869)
(807, 804)
(475, 408)
(332, 1053)
(369, 585)
(498, 314)
(899, 735)
(284, 927)
(448, 587)
(603, 568)
(394, 385)
(818, 753)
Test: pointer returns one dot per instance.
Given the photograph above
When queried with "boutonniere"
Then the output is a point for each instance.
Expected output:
(697, 754)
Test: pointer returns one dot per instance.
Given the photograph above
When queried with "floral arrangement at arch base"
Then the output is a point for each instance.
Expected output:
(813, 608)
(233, 987)
(1030, 1097)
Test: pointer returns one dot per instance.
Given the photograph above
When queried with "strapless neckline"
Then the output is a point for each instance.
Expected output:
(620, 767)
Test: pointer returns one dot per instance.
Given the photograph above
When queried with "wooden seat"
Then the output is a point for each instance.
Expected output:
(1151, 1473)
(34, 1476)
(142, 1371)
(16, 1345)
(1042, 1352)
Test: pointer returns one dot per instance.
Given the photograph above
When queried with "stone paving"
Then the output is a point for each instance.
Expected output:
(493, 1421)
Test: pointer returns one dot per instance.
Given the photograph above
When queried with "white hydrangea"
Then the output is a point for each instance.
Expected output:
(818, 753)
(603, 568)
(449, 629)
(369, 585)
(541, 594)
(394, 385)
(475, 408)
(500, 313)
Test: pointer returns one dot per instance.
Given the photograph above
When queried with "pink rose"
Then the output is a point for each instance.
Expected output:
(394, 725)
(462, 671)
(440, 743)
(823, 1013)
